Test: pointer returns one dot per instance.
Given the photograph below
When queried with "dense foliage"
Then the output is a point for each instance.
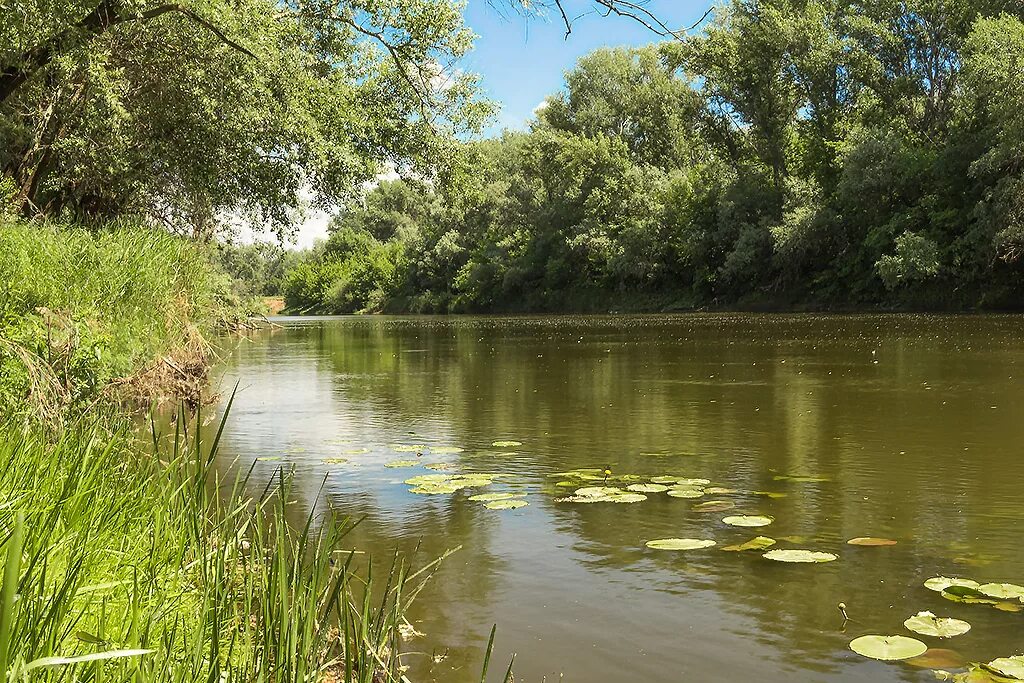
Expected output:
(795, 152)
(84, 313)
(192, 112)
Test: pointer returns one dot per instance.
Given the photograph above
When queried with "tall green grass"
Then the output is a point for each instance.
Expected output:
(145, 566)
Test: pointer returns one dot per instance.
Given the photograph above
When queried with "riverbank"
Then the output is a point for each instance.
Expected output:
(131, 557)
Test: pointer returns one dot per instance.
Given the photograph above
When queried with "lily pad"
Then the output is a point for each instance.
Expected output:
(686, 493)
(801, 479)
(692, 483)
(598, 491)
(758, 543)
(748, 520)
(408, 448)
(628, 498)
(511, 504)
(680, 544)
(967, 595)
(871, 541)
(334, 461)
(356, 451)
(441, 450)
(1012, 667)
(941, 583)
(427, 479)
(1004, 591)
(488, 497)
(663, 480)
(441, 466)
(402, 463)
(719, 491)
(434, 489)
(714, 506)
(799, 556)
(888, 648)
(506, 444)
(927, 624)
(647, 488)
(770, 494)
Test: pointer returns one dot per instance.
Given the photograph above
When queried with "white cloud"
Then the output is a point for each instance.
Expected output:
(540, 107)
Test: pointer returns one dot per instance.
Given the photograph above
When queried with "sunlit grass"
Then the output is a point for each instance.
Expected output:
(133, 562)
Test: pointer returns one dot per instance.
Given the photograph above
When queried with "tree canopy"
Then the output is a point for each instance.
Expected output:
(794, 152)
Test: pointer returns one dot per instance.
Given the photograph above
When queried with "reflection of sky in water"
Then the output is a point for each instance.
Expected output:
(914, 421)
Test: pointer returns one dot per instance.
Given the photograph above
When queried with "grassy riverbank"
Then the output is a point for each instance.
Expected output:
(127, 563)
(128, 558)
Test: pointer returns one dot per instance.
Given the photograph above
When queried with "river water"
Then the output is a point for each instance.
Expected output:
(905, 427)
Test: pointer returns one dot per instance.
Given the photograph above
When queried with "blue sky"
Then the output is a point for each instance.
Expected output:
(522, 61)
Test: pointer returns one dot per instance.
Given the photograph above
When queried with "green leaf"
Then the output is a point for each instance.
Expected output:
(888, 648)
(799, 556)
(748, 520)
(927, 624)
(757, 543)
(679, 544)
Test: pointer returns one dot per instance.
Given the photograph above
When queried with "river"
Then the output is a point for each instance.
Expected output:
(903, 427)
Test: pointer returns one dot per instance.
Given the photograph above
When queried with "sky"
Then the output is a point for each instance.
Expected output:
(521, 61)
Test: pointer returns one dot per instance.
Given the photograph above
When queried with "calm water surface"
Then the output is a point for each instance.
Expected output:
(913, 427)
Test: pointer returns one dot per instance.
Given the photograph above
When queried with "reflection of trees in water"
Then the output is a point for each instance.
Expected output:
(738, 400)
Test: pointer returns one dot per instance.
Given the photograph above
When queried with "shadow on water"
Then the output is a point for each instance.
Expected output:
(899, 426)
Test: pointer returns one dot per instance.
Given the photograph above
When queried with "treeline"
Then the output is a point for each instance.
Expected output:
(795, 153)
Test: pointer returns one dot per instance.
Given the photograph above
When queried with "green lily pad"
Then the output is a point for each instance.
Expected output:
(758, 543)
(714, 506)
(510, 504)
(427, 479)
(647, 488)
(506, 444)
(356, 451)
(719, 491)
(686, 493)
(1003, 591)
(941, 583)
(628, 498)
(1012, 667)
(748, 520)
(488, 497)
(402, 463)
(408, 448)
(800, 479)
(443, 450)
(692, 483)
(888, 648)
(598, 491)
(807, 556)
(967, 595)
(927, 624)
(434, 489)
(871, 541)
(663, 480)
(679, 544)
(441, 466)
(272, 458)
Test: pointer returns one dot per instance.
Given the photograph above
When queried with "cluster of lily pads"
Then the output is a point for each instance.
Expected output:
(1004, 596)
(634, 488)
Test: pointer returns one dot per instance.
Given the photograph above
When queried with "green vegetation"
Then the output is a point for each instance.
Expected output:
(120, 313)
(794, 153)
(124, 565)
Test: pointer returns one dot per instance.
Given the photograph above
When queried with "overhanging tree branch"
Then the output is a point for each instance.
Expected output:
(106, 15)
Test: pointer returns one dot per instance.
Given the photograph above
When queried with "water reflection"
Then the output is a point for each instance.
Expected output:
(912, 424)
